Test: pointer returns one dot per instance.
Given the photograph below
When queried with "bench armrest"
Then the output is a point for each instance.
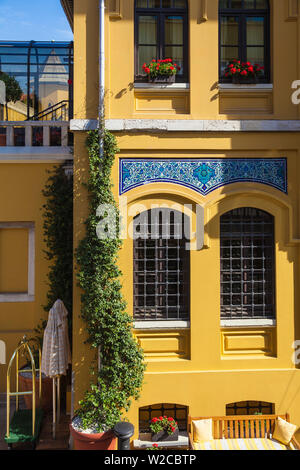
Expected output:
(191, 442)
(295, 443)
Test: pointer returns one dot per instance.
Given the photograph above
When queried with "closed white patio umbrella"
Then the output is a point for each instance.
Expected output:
(56, 354)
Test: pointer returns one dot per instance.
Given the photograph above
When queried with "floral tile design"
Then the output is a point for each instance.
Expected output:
(203, 175)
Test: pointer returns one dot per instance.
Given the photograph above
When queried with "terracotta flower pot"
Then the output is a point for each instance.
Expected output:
(101, 441)
(25, 385)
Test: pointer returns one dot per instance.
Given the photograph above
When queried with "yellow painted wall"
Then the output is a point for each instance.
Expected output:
(21, 201)
(195, 370)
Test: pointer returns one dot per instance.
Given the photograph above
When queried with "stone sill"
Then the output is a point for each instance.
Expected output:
(161, 325)
(243, 323)
(255, 87)
(162, 87)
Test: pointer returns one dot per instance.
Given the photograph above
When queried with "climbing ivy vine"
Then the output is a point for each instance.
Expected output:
(109, 326)
(58, 237)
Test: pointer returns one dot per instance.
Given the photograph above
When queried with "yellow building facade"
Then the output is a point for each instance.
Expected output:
(226, 155)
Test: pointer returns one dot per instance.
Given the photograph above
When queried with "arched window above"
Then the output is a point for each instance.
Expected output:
(247, 264)
(161, 32)
(245, 34)
(161, 265)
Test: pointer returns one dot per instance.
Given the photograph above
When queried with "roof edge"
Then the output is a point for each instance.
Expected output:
(69, 10)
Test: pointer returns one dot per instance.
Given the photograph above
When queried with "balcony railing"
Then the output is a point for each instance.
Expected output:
(35, 134)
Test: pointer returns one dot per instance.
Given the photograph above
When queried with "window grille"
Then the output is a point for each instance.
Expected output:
(247, 264)
(178, 412)
(245, 408)
(161, 266)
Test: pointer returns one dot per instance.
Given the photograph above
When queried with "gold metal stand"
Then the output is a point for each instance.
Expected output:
(23, 347)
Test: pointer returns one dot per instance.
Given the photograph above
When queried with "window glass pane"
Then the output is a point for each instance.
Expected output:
(141, 4)
(255, 31)
(175, 53)
(180, 4)
(249, 4)
(256, 55)
(223, 4)
(174, 30)
(147, 29)
(153, 3)
(262, 4)
(230, 30)
(228, 54)
(167, 3)
(236, 4)
(146, 54)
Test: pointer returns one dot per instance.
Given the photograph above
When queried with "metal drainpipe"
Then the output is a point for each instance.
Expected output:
(101, 71)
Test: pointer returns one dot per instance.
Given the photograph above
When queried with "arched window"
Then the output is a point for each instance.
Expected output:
(245, 33)
(161, 32)
(247, 264)
(177, 412)
(161, 265)
(245, 408)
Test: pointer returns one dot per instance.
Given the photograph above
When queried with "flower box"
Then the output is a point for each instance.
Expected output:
(163, 436)
(243, 72)
(250, 80)
(161, 71)
(162, 79)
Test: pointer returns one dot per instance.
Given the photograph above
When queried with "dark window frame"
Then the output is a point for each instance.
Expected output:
(161, 268)
(248, 277)
(242, 14)
(161, 13)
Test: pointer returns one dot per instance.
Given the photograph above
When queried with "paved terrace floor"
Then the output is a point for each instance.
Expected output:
(45, 442)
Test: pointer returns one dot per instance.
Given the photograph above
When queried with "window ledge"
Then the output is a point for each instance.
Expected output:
(161, 86)
(255, 87)
(257, 322)
(161, 325)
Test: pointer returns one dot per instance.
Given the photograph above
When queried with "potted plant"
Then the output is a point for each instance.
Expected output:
(164, 428)
(161, 71)
(117, 376)
(243, 72)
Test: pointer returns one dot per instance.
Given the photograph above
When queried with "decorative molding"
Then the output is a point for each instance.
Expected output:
(188, 125)
(249, 342)
(35, 154)
(203, 175)
(292, 10)
(202, 11)
(115, 9)
(29, 295)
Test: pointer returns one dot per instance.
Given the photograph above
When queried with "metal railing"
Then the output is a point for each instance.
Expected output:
(57, 112)
(34, 133)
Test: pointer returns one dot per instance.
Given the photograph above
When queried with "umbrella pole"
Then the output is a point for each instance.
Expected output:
(54, 407)
(58, 399)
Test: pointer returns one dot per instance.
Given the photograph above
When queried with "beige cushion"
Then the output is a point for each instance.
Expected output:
(284, 431)
(202, 430)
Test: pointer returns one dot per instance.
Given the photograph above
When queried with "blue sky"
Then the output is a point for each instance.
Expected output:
(40, 20)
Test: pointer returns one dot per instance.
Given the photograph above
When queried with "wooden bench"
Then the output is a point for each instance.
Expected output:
(241, 427)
